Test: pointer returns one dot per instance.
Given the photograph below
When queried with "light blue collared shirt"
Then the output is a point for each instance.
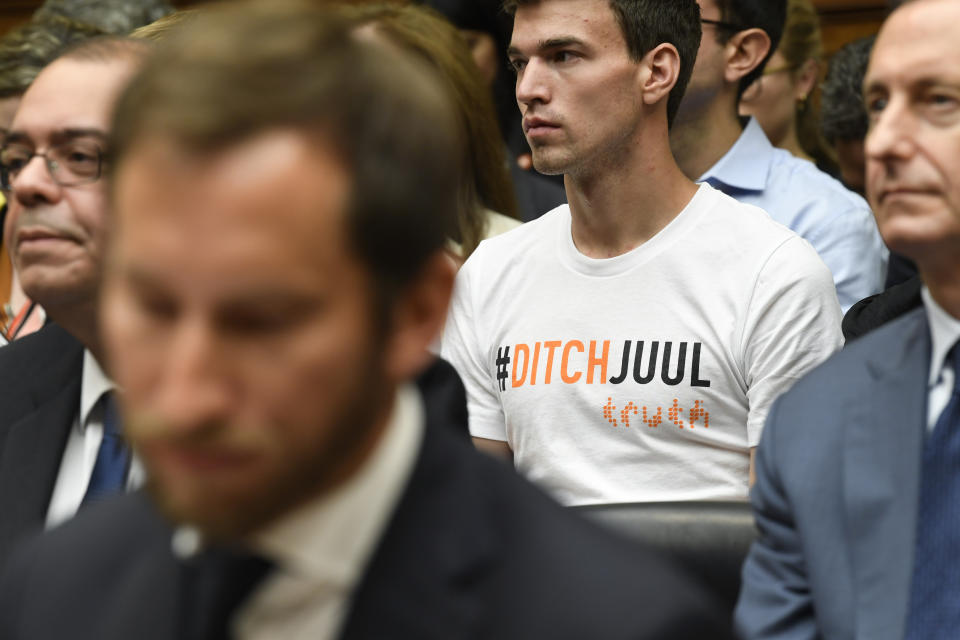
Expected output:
(836, 221)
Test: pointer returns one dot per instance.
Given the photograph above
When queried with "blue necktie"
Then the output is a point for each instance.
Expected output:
(113, 458)
(935, 590)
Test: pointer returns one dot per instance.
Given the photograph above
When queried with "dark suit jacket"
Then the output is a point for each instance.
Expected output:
(472, 551)
(40, 379)
(877, 310)
(39, 399)
(838, 478)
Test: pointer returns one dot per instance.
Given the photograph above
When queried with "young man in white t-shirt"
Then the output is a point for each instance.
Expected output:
(626, 347)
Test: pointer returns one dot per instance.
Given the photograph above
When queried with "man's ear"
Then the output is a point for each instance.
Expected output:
(744, 53)
(661, 67)
(417, 318)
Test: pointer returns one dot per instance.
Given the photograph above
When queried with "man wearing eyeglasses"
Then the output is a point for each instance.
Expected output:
(712, 145)
(59, 446)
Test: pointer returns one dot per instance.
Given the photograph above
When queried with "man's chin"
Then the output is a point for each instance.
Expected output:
(54, 288)
(549, 166)
(919, 242)
(218, 517)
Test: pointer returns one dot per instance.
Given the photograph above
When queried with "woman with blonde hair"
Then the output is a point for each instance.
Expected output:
(487, 203)
(784, 99)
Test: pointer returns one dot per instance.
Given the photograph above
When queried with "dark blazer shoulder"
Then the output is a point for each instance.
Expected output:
(39, 397)
(444, 396)
(473, 550)
(39, 359)
(810, 424)
(109, 568)
(888, 347)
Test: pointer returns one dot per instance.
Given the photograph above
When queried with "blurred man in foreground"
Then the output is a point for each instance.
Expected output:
(858, 472)
(283, 197)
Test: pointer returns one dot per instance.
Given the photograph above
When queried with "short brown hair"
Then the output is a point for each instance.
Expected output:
(240, 69)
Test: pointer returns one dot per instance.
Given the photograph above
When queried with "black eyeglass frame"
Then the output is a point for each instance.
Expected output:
(6, 182)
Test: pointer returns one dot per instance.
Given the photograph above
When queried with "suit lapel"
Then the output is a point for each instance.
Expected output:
(424, 578)
(30, 461)
(882, 479)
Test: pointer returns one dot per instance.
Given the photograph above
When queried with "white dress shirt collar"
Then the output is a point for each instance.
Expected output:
(93, 385)
(331, 538)
(944, 333)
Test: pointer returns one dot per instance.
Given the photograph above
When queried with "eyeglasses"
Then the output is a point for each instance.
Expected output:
(70, 164)
(729, 26)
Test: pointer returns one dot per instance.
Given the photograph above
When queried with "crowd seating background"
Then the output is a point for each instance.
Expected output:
(843, 20)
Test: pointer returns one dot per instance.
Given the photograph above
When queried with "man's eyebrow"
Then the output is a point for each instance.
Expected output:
(15, 137)
(550, 44)
(21, 137)
(70, 134)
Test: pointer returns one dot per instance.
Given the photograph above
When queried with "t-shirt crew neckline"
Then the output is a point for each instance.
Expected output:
(571, 257)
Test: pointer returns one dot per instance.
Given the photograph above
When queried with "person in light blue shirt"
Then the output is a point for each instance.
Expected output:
(711, 145)
(836, 221)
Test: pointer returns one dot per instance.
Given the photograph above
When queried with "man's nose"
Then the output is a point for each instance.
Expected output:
(34, 185)
(532, 83)
(195, 389)
(892, 135)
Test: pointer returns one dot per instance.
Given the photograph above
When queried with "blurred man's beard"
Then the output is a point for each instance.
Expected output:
(224, 514)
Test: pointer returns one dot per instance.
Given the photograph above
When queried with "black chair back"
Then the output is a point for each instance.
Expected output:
(709, 539)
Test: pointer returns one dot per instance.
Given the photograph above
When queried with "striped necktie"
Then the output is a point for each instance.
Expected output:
(113, 458)
(935, 591)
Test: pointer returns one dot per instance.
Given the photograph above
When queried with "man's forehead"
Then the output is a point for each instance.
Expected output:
(71, 95)
(918, 43)
(540, 22)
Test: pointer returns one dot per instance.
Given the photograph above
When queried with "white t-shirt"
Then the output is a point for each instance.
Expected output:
(644, 377)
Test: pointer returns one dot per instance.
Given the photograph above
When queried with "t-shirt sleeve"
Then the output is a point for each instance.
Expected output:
(792, 325)
(462, 347)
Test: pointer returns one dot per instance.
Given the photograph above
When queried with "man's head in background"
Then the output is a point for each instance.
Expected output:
(739, 36)
(283, 194)
(53, 160)
(912, 98)
(843, 118)
(117, 17)
(592, 73)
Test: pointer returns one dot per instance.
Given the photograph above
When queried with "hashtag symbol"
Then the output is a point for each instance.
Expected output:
(503, 359)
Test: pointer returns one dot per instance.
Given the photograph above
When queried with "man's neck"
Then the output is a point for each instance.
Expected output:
(619, 207)
(699, 140)
(941, 278)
